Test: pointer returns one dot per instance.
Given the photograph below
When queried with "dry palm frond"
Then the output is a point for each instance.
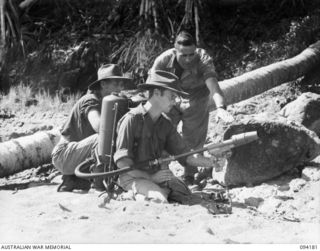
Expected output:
(139, 51)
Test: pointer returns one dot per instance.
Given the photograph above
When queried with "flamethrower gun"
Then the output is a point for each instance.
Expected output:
(235, 141)
(101, 167)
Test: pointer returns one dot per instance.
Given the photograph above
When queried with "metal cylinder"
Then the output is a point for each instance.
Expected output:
(113, 108)
(108, 121)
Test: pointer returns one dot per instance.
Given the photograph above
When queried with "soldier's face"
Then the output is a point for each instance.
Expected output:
(186, 56)
(169, 100)
(111, 85)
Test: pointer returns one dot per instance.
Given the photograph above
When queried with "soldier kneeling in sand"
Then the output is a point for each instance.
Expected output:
(80, 132)
(156, 135)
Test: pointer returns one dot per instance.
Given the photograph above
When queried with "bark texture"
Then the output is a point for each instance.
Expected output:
(262, 79)
(19, 154)
(26, 152)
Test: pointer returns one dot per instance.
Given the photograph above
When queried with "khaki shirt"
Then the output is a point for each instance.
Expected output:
(141, 139)
(77, 127)
(192, 81)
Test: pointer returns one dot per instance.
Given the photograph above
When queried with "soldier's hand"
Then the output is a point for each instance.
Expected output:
(224, 115)
(184, 104)
(162, 176)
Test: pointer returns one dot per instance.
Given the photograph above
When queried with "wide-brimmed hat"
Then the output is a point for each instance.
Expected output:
(112, 71)
(162, 79)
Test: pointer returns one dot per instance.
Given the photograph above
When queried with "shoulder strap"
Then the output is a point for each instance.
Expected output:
(138, 134)
(140, 126)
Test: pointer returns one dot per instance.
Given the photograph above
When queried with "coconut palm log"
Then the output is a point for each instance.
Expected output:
(260, 80)
(27, 152)
(30, 151)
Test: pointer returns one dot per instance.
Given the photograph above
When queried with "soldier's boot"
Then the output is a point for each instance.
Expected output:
(72, 182)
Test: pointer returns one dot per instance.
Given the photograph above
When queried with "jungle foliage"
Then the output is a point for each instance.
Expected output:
(39, 38)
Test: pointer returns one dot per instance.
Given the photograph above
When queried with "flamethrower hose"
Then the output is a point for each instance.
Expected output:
(85, 165)
(236, 140)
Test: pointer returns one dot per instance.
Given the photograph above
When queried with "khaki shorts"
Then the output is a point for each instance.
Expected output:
(66, 156)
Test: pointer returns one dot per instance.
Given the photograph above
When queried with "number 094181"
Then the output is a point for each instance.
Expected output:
(308, 247)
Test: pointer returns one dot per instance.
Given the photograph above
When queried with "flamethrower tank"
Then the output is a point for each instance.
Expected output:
(113, 108)
(101, 164)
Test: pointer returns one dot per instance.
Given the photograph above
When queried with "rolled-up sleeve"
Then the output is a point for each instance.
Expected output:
(206, 65)
(125, 138)
(88, 104)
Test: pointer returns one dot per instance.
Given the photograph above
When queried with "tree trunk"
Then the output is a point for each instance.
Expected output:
(262, 79)
(26, 152)
(3, 33)
(3, 27)
(30, 151)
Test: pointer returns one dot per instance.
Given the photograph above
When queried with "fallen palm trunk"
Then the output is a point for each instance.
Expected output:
(36, 150)
(26, 152)
(281, 147)
(262, 79)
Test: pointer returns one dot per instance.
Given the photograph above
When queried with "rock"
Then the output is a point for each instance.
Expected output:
(304, 110)
(291, 217)
(297, 184)
(280, 148)
(253, 201)
(311, 174)
(284, 197)
(284, 187)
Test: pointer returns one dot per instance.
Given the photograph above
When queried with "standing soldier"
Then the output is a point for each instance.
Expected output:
(195, 69)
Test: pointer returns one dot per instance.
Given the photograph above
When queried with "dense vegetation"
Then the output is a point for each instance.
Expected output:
(58, 43)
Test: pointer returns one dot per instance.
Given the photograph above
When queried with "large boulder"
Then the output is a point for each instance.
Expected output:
(281, 147)
(304, 110)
